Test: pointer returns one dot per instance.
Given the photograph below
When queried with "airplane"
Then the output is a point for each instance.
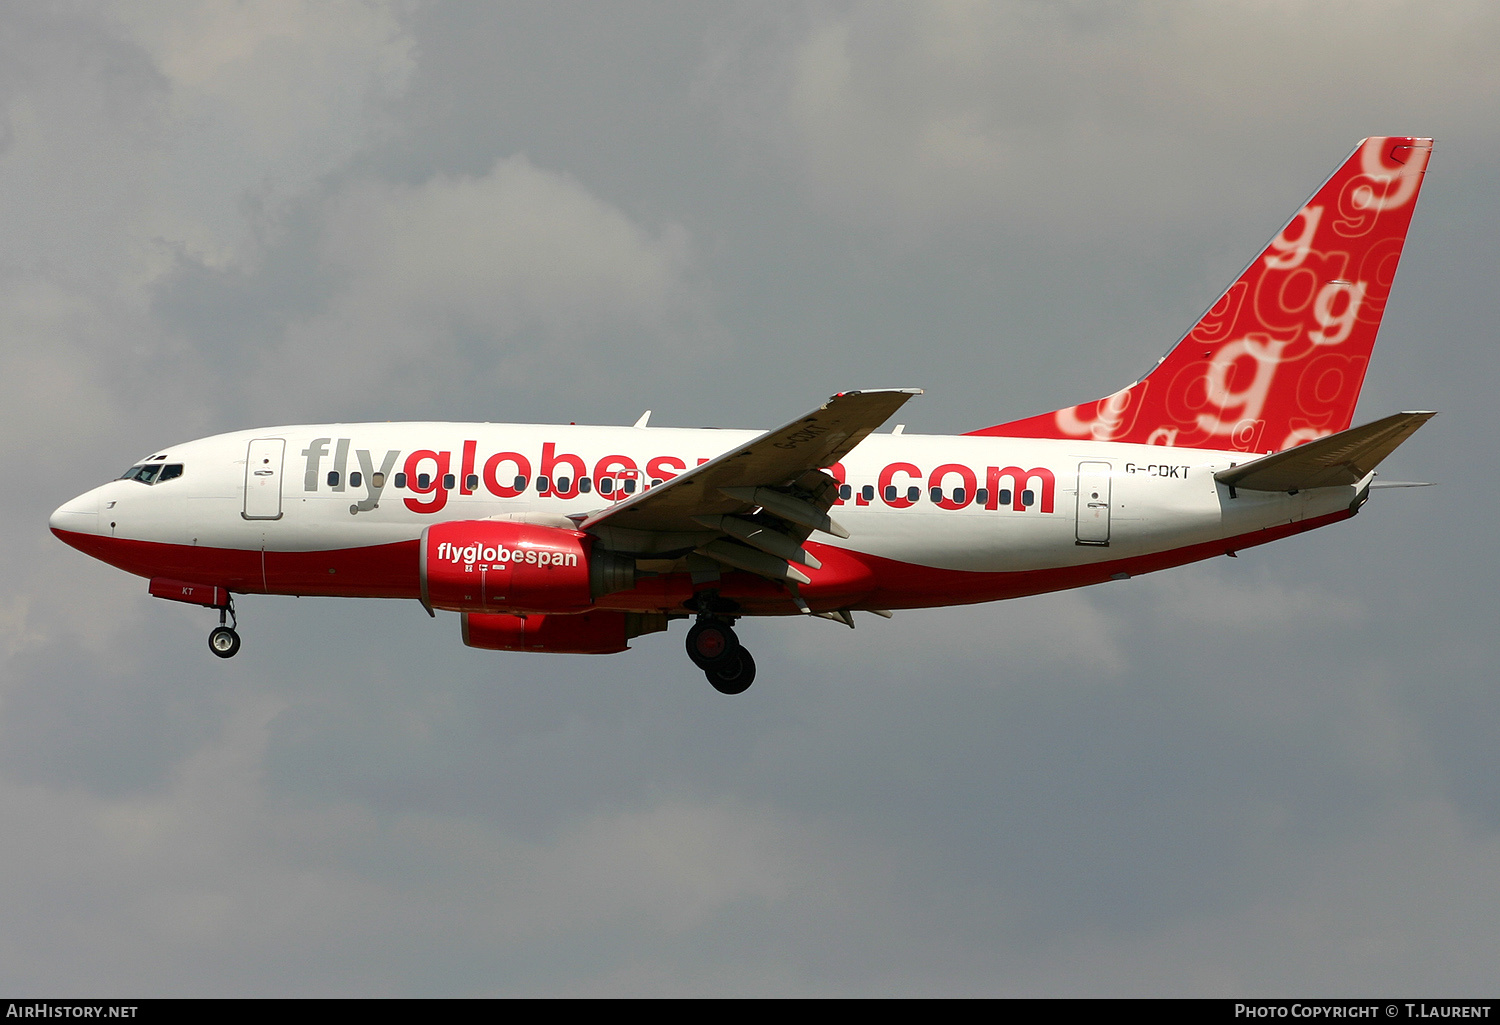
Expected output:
(579, 539)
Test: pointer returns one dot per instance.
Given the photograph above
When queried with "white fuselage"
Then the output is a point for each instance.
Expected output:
(264, 510)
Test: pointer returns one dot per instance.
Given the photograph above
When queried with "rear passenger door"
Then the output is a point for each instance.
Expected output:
(1093, 503)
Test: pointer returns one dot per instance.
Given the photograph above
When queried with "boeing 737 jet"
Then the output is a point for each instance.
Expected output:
(579, 539)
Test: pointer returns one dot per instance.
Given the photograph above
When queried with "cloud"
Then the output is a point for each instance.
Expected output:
(141, 137)
(205, 884)
(930, 115)
(1006, 644)
(263, 100)
(1387, 902)
(18, 630)
(1260, 605)
(519, 277)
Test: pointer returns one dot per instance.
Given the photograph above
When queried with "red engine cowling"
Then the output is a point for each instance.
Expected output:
(499, 565)
(588, 633)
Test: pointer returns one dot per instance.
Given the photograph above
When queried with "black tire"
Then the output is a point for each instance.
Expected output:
(224, 642)
(734, 678)
(711, 643)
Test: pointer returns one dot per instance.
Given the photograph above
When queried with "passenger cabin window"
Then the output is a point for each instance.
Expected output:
(333, 478)
(845, 490)
(867, 492)
(400, 480)
(356, 478)
(585, 485)
(606, 485)
(521, 484)
(472, 482)
(424, 481)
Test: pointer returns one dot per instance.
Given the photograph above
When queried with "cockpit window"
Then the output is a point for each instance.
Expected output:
(152, 473)
(145, 473)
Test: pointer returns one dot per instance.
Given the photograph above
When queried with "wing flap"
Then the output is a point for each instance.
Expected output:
(757, 535)
(753, 561)
(789, 508)
(1337, 460)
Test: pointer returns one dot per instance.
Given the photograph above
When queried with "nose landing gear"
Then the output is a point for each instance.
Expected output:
(223, 640)
(714, 648)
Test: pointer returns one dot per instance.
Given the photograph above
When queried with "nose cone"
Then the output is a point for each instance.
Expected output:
(79, 516)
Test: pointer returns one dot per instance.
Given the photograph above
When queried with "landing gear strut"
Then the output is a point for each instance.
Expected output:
(714, 648)
(223, 640)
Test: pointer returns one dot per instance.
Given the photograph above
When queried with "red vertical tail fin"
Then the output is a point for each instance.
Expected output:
(1280, 358)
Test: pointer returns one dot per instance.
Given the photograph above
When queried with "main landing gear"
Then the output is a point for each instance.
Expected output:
(223, 640)
(714, 648)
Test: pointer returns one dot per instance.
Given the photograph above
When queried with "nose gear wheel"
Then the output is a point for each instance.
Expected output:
(224, 641)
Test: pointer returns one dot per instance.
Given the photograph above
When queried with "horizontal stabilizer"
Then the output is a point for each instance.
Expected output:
(1336, 460)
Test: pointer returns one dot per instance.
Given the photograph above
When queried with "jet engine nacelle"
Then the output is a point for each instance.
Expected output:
(500, 565)
(601, 632)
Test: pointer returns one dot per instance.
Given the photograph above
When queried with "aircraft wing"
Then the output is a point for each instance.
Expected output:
(753, 506)
(1339, 459)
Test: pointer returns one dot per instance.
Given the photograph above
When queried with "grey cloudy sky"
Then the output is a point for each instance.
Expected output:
(1269, 775)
